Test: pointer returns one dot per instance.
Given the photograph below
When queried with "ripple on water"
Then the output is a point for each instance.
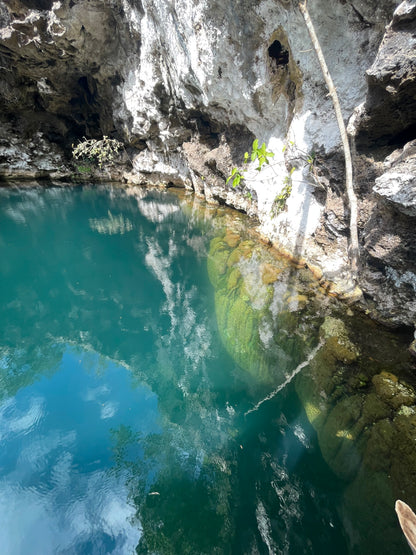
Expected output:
(20, 420)
(93, 517)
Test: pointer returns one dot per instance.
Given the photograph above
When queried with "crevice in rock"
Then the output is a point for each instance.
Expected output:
(220, 200)
(278, 53)
(405, 136)
(285, 74)
(207, 130)
(37, 4)
(361, 18)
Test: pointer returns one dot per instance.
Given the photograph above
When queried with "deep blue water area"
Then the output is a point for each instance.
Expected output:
(129, 420)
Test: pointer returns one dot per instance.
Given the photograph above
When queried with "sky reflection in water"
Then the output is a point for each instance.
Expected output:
(57, 491)
(124, 421)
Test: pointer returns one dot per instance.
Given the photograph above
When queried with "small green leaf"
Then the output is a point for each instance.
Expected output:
(233, 172)
(255, 144)
(236, 180)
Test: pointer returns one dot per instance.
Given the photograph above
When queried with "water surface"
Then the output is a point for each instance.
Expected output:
(153, 360)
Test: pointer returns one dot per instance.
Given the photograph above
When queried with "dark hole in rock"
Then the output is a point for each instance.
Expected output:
(38, 4)
(404, 136)
(116, 80)
(207, 129)
(220, 200)
(85, 87)
(278, 53)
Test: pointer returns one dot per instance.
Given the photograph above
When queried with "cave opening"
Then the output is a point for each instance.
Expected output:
(278, 53)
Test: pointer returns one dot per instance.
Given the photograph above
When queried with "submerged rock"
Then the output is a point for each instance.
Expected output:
(391, 391)
(258, 307)
(238, 321)
(269, 273)
(337, 343)
(366, 425)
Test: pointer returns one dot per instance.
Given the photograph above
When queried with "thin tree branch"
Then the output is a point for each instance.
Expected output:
(352, 199)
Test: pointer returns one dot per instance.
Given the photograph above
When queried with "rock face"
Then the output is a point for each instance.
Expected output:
(389, 272)
(187, 87)
(390, 107)
(397, 186)
(387, 120)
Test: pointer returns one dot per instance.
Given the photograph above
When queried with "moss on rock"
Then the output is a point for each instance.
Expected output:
(366, 426)
(269, 273)
(217, 260)
(243, 301)
(393, 392)
(337, 341)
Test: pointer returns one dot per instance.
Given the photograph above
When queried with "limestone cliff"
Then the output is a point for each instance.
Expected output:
(188, 85)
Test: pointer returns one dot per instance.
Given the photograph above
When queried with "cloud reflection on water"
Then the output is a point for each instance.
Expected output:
(95, 512)
(58, 492)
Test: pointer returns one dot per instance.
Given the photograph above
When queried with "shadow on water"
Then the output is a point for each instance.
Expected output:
(234, 412)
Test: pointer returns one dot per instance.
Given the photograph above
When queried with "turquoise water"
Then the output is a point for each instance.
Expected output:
(126, 423)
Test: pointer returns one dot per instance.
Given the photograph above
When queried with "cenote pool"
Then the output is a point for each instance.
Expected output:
(168, 385)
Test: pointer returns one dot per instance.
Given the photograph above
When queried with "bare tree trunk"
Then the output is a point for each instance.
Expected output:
(352, 199)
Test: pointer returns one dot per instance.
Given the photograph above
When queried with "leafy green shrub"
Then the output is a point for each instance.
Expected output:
(83, 168)
(257, 153)
(98, 152)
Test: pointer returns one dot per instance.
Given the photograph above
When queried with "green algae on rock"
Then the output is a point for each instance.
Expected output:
(365, 422)
(258, 306)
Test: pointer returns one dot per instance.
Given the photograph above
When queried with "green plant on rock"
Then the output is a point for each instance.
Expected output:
(96, 152)
(258, 153)
(83, 168)
(279, 203)
(236, 176)
(308, 158)
(262, 156)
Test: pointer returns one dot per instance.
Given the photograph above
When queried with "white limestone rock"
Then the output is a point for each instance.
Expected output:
(399, 189)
